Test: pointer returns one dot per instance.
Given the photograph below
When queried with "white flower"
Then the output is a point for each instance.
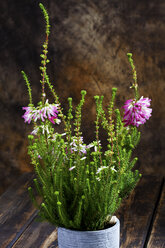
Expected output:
(97, 145)
(43, 128)
(90, 145)
(95, 148)
(113, 169)
(77, 144)
(70, 169)
(58, 121)
(101, 168)
(83, 158)
(35, 131)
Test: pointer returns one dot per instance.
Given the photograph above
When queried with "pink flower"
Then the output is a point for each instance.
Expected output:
(28, 115)
(137, 112)
(54, 120)
(49, 111)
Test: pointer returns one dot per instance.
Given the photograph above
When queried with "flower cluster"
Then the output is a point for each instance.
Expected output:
(78, 145)
(42, 128)
(49, 111)
(137, 112)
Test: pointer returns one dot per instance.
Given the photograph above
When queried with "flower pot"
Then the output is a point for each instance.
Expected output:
(106, 238)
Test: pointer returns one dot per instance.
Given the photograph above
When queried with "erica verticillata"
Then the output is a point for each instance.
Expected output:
(49, 111)
(137, 112)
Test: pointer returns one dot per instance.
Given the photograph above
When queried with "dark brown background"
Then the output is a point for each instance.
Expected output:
(88, 45)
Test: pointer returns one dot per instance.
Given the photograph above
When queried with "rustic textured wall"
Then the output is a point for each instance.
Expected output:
(88, 45)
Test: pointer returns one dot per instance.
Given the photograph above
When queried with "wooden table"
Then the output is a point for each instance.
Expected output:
(142, 217)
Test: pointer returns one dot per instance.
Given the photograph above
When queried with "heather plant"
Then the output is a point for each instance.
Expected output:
(82, 185)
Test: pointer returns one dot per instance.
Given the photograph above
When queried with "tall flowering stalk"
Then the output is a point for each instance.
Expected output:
(82, 185)
(44, 60)
(136, 111)
(134, 84)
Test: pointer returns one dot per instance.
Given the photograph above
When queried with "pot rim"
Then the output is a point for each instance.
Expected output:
(109, 229)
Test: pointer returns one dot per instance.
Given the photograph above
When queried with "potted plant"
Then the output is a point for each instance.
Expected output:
(82, 185)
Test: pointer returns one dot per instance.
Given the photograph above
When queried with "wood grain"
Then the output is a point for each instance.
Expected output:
(16, 211)
(157, 237)
(38, 234)
(136, 212)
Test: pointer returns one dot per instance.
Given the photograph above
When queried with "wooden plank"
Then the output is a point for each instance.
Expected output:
(38, 234)
(136, 212)
(157, 237)
(19, 186)
(16, 211)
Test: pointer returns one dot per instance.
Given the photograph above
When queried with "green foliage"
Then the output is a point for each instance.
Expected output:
(43, 56)
(81, 186)
(84, 197)
(77, 122)
(134, 85)
(28, 86)
(132, 66)
(46, 16)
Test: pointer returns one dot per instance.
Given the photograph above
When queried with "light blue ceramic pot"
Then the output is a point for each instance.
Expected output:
(107, 238)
